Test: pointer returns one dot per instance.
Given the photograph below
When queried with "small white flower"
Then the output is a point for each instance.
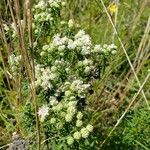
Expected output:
(86, 62)
(105, 46)
(112, 46)
(89, 127)
(77, 135)
(72, 98)
(68, 118)
(87, 69)
(85, 51)
(53, 68)
(53, 101)
(71, 110)
(64, 40)
(114, 52)
(71, 44)
(70, 140)
(41, 3)
(45, 47)
(80, 34)
(62, 22)
(57, 40)
(43, 112)
(97, 48)
(42, 53)
(54, 4)
(86, 86)
(68, 93)
(79, 115)
(59, 106)
(67, 70)
(61, 47)
(70, 23)
(79, 123)
(72, 103)
(84, 132)
(80, 63)
(35, 44)
(53, 76)
(63, 3)
(36, 31)
(48, 17)
(62, 114)
(53, 120)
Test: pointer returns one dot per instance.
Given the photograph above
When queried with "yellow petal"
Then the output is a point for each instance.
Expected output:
(112, 7)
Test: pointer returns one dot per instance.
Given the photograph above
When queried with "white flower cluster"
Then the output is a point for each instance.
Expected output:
(71, 111)
(77, 87)
(86, 131)
(70, 23)
(14, 63)
(46, 16)
(44, 76)
(65, 113)
(83, 133)
(67, 70)
(70, 140)
(48, 77)
(43, 10)
(55, 3)
(86, 65)
(106, 49)
(85, 56)
(43, 112)
(53, 101)
(81, 42)
(64, 110)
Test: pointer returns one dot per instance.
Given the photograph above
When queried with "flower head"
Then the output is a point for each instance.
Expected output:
(68, 118)
(79, 123)
(84, 132)
(89, 127)
(70, 140)
(79, 115)
(43, 112)
(53, 120)
(70, 23)
(77, 135)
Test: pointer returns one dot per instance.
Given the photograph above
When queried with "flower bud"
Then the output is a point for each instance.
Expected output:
(89, 127)
(79, 115)
(84, 132)
(77, 135)
(79, 123)
(68, 118)
(70, 140)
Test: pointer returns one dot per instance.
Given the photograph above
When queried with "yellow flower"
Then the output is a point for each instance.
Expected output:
(112, 7)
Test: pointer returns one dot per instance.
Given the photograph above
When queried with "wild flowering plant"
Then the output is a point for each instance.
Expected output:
(68, 66)
(66, 63)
